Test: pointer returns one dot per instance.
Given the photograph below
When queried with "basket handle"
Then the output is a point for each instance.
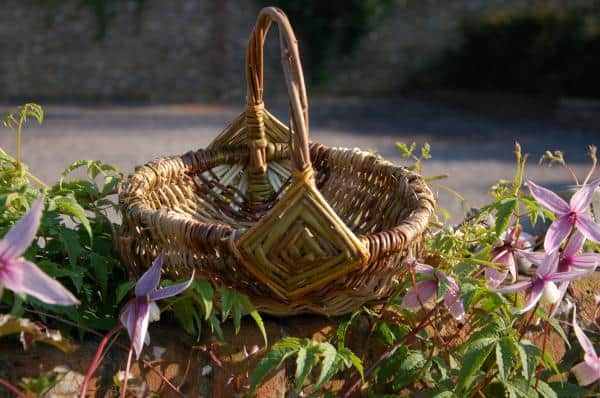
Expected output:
(294, 78)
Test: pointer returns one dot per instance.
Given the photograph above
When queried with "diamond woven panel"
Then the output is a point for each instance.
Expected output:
(300, 245)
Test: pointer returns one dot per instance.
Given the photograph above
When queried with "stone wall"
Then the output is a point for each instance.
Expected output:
(193, 50)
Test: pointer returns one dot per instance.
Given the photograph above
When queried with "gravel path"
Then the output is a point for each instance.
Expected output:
(473, 148)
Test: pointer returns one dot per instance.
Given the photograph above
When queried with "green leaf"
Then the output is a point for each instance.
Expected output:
(545, 390)
(281, 350)
(122, 290)
(519, 388)
(329, 355)
(69, 206)
(187, 315)
(100, 266)
(409, 369)
(530, 356)
(249, 307)
(205, 290)
(506, 352)
(227, 299)
(351, 359)
(504, 212)
(305, 362)
(385, 332)
(472, 362)
(343, 328)
(70, 241)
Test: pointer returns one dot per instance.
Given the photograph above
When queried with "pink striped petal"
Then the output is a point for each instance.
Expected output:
(20, 236)
(455, 305)
(22, 276)
(534, 296)
(549, 265)
(575, 244)
(171, 291)
(584, 341)
(425, 290)
(515, 287)
(494, 277)
(424, 268)
(135, 319)
(151, 278)
(557, 233)
(568, 276)
(581, 199)
(548, 199)
(534, 257)
(586, 260)
(588, 227)
(585, 374)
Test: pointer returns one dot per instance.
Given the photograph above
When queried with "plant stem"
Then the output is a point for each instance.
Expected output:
(124, 388)
(19, 136)
(18, 393)
(97, 358)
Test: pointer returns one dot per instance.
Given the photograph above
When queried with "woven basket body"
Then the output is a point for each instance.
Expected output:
(298, 227)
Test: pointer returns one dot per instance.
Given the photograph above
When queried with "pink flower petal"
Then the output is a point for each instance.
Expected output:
(507, 258)
(172, 290)
(548, 199)
(557, 232)
(549, 265)
(588, 227)
(22, 276)
(568, 276)
(585, 374)
(584, 342)
(534, 296)
(151, 278)
(586, 260)
(424, 292)
(455, 305)
(574, 245)
(581, 199)
(424, 268)
(494, 277)
(534, 257)
(135, 319)
(20, 236)
(515, 287)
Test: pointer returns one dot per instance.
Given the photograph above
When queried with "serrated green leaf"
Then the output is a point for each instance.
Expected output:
(504, 212)
(506, 352)
(227, 299)
(69, 206)
(472, 362)
(206, 293)
(385, 332)
(409, 369)
(351, 359)
(271, 361)
(329, 356)
(343, 328)
(306, 360)
(530, 356)
(520, 388)
(545, 390)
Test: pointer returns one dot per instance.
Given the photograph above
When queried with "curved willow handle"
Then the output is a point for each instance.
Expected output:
(290, 59)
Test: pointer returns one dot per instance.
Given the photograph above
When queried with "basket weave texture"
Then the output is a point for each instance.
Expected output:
(297, 226)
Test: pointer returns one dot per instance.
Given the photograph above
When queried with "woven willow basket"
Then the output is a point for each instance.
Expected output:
(298, 227)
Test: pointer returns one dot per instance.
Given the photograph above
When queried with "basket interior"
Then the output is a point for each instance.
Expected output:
(368, 193)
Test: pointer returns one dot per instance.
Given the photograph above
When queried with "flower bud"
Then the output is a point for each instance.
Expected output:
(551, 294)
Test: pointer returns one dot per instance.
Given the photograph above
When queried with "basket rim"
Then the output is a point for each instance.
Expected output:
(393, 239)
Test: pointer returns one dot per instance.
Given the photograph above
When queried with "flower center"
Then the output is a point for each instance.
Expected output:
(572, 217)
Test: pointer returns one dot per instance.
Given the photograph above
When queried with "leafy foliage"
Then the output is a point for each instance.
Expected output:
(308, 355)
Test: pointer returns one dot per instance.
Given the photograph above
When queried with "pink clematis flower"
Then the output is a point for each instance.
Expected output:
(142, 309)
(427, 289)
(504, 253)
(568, 215)
(543, 283)
(568, 260)
(22, 276)
(587, 371)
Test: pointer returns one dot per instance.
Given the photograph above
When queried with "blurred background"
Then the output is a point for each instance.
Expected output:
(129, 80)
